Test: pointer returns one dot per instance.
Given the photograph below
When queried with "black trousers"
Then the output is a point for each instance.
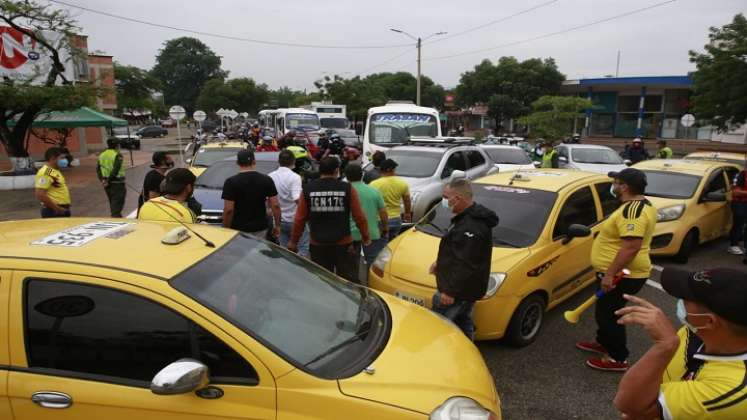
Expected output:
(116, 192)
(339, 259)
(610, 334)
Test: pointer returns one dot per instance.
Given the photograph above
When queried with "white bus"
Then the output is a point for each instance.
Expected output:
(393, 123)
(282, 120)
(331, 116)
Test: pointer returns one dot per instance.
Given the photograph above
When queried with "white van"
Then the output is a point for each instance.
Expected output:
(392, 124)
(285, 119)
(331, 116)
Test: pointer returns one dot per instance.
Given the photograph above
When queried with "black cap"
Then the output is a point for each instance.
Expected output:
(632, 177)
(177, 179)
(388, 165)
(158, 158)
(722, 290)
(245, 157)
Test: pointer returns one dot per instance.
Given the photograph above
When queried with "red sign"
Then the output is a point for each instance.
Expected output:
(13, 50)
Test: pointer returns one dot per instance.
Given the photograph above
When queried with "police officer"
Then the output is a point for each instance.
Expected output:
(111, 172)
(550, 156)
(327, 204)
(665, 152)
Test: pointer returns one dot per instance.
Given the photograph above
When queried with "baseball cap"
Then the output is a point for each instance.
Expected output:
(177, 179)
(388, 165)
(245, 157)
(631, 176)
(722, 290)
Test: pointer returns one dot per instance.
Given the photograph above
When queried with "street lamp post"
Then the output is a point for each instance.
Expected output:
(419, 41)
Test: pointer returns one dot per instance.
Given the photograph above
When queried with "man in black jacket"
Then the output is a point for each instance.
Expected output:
(462, 269)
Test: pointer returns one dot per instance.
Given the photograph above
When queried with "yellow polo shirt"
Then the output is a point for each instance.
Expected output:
(392, 189)
(52, 181)
(166, 210)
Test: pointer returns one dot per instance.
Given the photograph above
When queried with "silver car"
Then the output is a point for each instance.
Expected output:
(426, 168)
(590, 158)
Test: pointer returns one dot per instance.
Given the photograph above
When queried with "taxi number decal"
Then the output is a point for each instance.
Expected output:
(545, 173)
(81, 235)
(537, 271)
(506, 189)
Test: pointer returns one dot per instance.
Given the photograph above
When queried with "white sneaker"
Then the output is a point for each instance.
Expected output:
(735, 250)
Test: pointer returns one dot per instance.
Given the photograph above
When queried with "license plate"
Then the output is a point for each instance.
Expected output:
(410, 298)
(81, 235)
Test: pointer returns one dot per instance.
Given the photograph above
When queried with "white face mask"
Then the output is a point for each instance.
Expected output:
(612, 190)
(682, 316)
(445, 204)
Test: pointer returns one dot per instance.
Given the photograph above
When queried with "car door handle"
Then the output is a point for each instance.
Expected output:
(52, 399)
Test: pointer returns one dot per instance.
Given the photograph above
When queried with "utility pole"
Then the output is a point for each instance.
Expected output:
(617, 69)
(419, 45)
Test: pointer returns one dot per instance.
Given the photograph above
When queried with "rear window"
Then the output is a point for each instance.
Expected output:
(508, 156)
(415, 163)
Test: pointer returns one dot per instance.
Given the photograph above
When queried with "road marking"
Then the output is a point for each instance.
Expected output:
(132, 215)
(654, 284)
(657, 268)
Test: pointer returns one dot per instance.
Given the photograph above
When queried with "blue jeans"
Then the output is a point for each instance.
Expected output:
(47, 213)
(286, 228)
(395, 225)
(370, 252)
(459, 312)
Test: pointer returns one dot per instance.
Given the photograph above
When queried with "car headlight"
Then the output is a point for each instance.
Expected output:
(494, 282)
(670, 213)
(461, 408)
(381, 261)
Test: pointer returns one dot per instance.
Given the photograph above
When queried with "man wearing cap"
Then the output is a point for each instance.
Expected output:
(699, 372)
(172, 206)
(395, 192)
(111, 173)
(550, 157)
(245, 198)
(50, 187)
(623, 242)
(637, 152)
(162, 162)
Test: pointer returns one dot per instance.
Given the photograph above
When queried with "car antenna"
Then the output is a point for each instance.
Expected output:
(208, 243)
(514, 177)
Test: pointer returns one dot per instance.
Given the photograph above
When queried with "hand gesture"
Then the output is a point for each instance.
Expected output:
(650, 317)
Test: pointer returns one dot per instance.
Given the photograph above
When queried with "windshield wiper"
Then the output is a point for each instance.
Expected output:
(337, 347)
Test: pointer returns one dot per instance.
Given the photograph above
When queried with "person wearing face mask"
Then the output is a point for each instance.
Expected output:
(162, 162)
(699, 371)
(462, 268)
(172, 206)
(624, 241)
(50, 187)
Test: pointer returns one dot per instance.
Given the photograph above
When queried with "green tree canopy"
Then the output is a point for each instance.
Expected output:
(135, 87)
(720, 82)
(510, 86)
(184, 66)
(242, 94)
(552, 116)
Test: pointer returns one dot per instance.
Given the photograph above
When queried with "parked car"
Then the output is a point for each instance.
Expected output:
(508, 158)
(152, 131)
(590, 157)
(168, 123)
(212, 152)
(127, 139)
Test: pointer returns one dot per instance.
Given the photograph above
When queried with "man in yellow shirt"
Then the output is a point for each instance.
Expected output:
(395, 192)
(624, 241)
(172, 206)
(50, 187)
(698, 372)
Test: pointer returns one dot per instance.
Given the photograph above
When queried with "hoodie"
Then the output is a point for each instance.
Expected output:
(464, 254)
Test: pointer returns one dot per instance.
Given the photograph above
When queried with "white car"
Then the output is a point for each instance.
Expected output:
(590, 158)
(508, 158)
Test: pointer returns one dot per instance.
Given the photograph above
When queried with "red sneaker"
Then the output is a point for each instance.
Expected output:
(592, 347)
(607, 364)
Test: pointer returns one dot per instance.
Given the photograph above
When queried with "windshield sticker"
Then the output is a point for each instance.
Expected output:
(401, 117)
(80, 235)
(499, 188)
(302, 116)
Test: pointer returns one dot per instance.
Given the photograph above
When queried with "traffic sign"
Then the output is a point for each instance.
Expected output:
(687, 120)
(232, 114)
(177, 112)
(199, 116)
(221, 112)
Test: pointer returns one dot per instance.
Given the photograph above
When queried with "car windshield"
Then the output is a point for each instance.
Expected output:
(597, 156)
(515, 206)
(122, 131)
(398, 127)
(508, 156)
(216, 175)
(302, 121)
(670, 184)
(334, 122)
(206, 157)
(316, 321)
(415, 163)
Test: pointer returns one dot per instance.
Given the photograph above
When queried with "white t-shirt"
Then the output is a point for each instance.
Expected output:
(288, 184)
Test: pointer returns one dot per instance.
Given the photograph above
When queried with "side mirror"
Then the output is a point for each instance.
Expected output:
(576, 231)
(714, 196)
(537, 163)
(627, 162)
(188, 161)
(563, 159)
(457, 174)
(184, 375)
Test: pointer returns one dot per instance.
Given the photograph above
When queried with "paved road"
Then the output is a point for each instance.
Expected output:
(548, 379)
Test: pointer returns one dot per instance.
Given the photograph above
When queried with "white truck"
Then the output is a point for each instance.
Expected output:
(331, 116)
(394, 123)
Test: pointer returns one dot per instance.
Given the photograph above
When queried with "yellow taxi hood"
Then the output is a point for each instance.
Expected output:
(197, 170)
(661, 202)
(415, 251)
(426, 361)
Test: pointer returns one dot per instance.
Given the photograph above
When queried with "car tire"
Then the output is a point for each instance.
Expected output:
(526, 321)
(686, 247)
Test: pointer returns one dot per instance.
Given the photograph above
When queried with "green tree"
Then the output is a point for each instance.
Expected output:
(552, 116)
(509, 87)
(135, 88)
(242, 94)
(720, 81)
(21, 101)
(184, 66)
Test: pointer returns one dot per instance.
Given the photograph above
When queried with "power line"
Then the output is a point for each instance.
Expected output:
(485, 25)
(361, 73)
(574, 28)
(230, 37)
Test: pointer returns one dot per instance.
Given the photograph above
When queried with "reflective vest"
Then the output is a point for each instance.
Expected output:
(548, 157)
(106, 163)
(665, 153)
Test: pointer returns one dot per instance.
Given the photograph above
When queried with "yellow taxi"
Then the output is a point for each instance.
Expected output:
(213, 152)
(737, 159)
(541, 248)
(691, 197)
(121, 320)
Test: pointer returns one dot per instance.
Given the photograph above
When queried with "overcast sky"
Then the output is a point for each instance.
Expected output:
(653, 42)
